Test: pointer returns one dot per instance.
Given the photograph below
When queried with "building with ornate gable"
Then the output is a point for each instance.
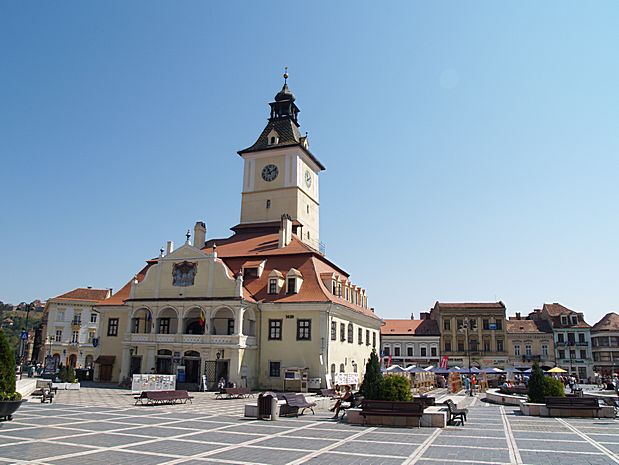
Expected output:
(255, 308)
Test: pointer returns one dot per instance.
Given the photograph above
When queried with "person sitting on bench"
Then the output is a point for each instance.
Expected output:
(346, 397)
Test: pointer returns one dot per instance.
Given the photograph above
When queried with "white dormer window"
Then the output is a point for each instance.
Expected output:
(294, 280)
(574, 319)
(564, 319)
(276, 281)
(273, 137)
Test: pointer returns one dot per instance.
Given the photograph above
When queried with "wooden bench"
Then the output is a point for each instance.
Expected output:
(392, 408)
(427, 401)
(44, 390)
(234, 393)
(328, 393)
(294, 402)
(163, 397)
(573, 403)
(455, 413)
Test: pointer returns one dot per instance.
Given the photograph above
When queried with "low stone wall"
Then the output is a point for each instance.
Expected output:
(540, 410)
(496, 397)
(435, 417)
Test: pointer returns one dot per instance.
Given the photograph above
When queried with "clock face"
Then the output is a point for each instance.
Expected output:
(269, 172)
(308, 179)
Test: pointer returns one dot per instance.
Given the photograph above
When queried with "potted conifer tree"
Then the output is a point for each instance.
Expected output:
(10, 399)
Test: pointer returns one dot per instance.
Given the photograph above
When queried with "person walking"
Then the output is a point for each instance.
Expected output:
(467, 385)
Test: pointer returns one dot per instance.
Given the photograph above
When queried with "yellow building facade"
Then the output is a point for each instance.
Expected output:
(263, 308)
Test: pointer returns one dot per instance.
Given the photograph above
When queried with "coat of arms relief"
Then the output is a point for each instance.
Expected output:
(184, 274)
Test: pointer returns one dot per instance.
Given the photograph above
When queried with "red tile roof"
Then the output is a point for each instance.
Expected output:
(526, 326)
(555, 310)
(471, 305)
(410, 327)
(609, 322)
(123, 293)
(243, 248)
(85, 293)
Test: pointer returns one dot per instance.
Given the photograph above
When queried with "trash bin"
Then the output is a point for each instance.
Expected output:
(267, 406)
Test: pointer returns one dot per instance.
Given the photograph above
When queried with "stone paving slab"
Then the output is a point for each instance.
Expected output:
(257, 455)
(102, 427)
(112, 458)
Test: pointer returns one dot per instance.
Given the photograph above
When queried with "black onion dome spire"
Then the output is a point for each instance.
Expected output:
(284, 107)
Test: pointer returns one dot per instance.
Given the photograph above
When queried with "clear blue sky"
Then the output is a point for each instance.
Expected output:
(471, 147)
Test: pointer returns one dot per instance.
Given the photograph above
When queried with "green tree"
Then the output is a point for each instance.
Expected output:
(373, 381)
(7, 370)
(553, 387)
(536, 385)
(396, 388)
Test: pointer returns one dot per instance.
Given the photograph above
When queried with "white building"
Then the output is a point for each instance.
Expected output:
(72, 325)
(411, 342)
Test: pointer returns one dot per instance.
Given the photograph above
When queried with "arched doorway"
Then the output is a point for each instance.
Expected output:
(88, 362)
(222, 322)
(72, 360)
(164, 362)
(142, 321)
(191, 360)
(194, 321)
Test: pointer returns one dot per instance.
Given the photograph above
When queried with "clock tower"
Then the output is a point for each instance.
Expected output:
(281, 174)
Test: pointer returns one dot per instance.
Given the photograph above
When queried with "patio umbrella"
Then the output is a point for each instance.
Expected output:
(394, 369)
(475, 370)
(440, 371)
(557, 370)
(415, 369)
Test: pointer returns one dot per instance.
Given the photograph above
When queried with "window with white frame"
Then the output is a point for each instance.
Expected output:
(58, 337)
(544, 349)
(409, 351)
(516, 349)
(527, 350)
(75, 337)
(93, 317)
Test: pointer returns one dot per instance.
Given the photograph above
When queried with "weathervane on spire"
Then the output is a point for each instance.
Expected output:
(188, 235)
(285, 74)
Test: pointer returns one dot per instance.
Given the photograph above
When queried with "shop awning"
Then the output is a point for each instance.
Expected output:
(105, 359)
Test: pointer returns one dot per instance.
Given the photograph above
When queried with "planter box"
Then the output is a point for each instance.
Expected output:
(8, 408)
(66, 386)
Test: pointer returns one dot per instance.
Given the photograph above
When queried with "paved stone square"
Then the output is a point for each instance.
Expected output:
(103, 427)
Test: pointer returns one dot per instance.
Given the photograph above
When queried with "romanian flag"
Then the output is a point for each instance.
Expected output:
(201, 318)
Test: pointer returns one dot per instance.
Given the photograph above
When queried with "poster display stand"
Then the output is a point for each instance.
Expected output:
(150, 382)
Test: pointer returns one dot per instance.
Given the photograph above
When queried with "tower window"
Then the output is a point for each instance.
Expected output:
(308, 234)
(268, 204)
(308, 209)
(272, 140)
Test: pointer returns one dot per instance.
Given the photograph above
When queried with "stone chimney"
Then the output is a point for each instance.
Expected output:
(518, 316)
(199, 234)
(424, 316)
(285, 231)
(169, 247)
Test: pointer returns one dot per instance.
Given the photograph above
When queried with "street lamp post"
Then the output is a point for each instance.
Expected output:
(467, 352)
